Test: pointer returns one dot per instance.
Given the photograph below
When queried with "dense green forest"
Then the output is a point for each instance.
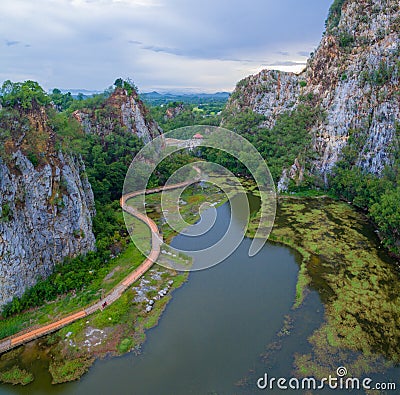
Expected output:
(155, 99)
(186, 114)
(289, 139)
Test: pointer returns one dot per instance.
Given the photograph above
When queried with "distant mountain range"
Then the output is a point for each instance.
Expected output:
(158, 98)
(197, 94)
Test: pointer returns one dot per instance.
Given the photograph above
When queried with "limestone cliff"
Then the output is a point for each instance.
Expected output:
(121, 109)
(173, 112)
(353, 76)
(46, 202)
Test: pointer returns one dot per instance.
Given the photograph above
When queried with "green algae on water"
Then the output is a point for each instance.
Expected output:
(357, 282)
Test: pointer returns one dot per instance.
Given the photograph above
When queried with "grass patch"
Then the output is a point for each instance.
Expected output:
(152, 319)
(125, 345)
(303, 281)
(139, 231)
(69, 370)
(122, 265)
(114, 314)
(15, 376)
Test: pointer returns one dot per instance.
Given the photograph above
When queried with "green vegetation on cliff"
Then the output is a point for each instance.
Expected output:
(379, 196)
(335, 12)
(29, 123)
(289, 139)
(23, 94)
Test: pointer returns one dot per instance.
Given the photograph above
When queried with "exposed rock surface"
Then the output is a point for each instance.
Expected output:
(119, 110)
(45, 210)
(354, 77)
(270, 92)
(173, 112)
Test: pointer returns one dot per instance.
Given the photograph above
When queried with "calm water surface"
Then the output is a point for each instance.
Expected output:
(213, 331)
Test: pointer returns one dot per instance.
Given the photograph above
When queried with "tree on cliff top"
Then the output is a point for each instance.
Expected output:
(23, 94)
(127, 84)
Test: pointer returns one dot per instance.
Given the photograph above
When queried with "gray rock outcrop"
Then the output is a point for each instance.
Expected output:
(46, 215)
(353, 76)
(120, 110)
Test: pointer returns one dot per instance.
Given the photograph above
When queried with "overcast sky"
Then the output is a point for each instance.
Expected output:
(204, 45)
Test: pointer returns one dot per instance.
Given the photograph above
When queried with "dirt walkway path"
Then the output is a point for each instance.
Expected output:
(156, 242)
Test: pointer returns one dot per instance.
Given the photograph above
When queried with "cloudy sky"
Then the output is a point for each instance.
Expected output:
(204, 45)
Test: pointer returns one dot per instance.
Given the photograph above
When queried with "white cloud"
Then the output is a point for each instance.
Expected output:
(208, 45)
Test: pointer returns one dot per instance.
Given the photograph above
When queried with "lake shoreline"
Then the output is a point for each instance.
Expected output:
(340, 249)
(68, 366)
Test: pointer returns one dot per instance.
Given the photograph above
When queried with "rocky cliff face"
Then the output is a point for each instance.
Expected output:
(46, 205)
(353, 76)
(270, 93)
(119, 110)
(173, 112)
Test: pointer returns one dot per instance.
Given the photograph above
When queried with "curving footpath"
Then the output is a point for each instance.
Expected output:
(30, 334)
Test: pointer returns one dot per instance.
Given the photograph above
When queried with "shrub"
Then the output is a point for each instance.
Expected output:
(345, 40)
(6, 214)
(16, 375)
(32, 156)
(125, 345)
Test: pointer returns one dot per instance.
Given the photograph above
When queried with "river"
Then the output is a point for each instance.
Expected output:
(213, 333)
